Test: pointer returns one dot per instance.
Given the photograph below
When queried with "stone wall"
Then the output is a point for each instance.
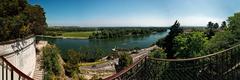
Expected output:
(21, 53)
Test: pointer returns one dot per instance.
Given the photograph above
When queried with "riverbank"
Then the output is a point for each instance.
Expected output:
(107, 68)
(69, 35)
(62, 37)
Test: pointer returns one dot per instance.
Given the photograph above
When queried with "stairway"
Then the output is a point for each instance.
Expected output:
(38, 72)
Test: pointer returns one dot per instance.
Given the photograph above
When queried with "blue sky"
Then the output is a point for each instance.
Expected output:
(136, 12)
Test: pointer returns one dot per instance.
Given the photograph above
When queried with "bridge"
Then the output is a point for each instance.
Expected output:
(222, 65)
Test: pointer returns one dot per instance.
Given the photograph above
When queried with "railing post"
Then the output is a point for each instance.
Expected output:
(12, 74)
(6, 72)
(2, 70)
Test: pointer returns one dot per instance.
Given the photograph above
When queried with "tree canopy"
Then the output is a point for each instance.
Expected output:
(234, 24)
(167, 42)
(223, 25)
(124, 61)
(19, 19)
(190, 44)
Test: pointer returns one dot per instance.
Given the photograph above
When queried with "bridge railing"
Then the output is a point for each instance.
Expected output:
(10, 72)
(223, 65)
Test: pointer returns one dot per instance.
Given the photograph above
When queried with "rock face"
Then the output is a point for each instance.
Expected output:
(21, 53)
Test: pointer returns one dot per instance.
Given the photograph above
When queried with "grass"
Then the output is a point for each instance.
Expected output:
(91, 63)
(84, 35)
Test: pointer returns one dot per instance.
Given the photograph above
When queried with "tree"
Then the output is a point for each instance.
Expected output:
(234, 24)
(124, 61)
(36, 18)
(215, 26)
(221, 40)
(210, 25)
(73, 56)
(158, 53)
(19, 19)
(223, 25)
(167, 42)
(210, 32)
(190, 44)
(51, 62)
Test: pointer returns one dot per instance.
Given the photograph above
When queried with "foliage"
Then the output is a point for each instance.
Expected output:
(167, 42)
(73, 56)
(158, 53)
(19, 19)
(104, 33)
(85, 54)
(211, 29)
(124, 61)
(71, 70)
(223, 25)
(190, 44)
(234, 24)
(221, 40)
(51, 63)
(215, 26)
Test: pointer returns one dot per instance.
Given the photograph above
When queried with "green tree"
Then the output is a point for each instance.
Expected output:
(74, 57)
(190, 44)
(167, 42)
(223, 25)
(19, 19)
(158, 53)
(215, 26)
(210, 25)
(36, 18)
(234, 24)
(124, 61)
(52, 65)
(210, 29)
(220, 41)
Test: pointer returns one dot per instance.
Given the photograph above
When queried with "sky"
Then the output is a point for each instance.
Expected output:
(94, 13)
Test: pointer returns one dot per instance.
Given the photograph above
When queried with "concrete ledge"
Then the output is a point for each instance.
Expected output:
(21, 53)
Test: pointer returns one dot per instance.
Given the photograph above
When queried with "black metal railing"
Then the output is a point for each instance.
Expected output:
(223, 65)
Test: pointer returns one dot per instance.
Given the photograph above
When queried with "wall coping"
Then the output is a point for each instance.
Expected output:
(15, 40)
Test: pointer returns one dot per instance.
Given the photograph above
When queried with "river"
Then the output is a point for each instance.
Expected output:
(106, 44)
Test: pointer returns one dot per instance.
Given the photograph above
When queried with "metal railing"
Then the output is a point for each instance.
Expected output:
(223, 65)
(10, 72)
(7, 70)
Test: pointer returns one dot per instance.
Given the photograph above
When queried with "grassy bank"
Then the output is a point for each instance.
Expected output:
(77, 34)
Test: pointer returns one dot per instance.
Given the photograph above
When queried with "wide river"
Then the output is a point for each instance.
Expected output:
(106, 44)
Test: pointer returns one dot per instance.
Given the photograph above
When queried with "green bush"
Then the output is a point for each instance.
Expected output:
(51, 63)
(158, 53)
(124, 61)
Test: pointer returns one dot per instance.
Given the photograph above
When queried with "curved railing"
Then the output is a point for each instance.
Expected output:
(10, 72)
(7, 70)
(223, 65)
